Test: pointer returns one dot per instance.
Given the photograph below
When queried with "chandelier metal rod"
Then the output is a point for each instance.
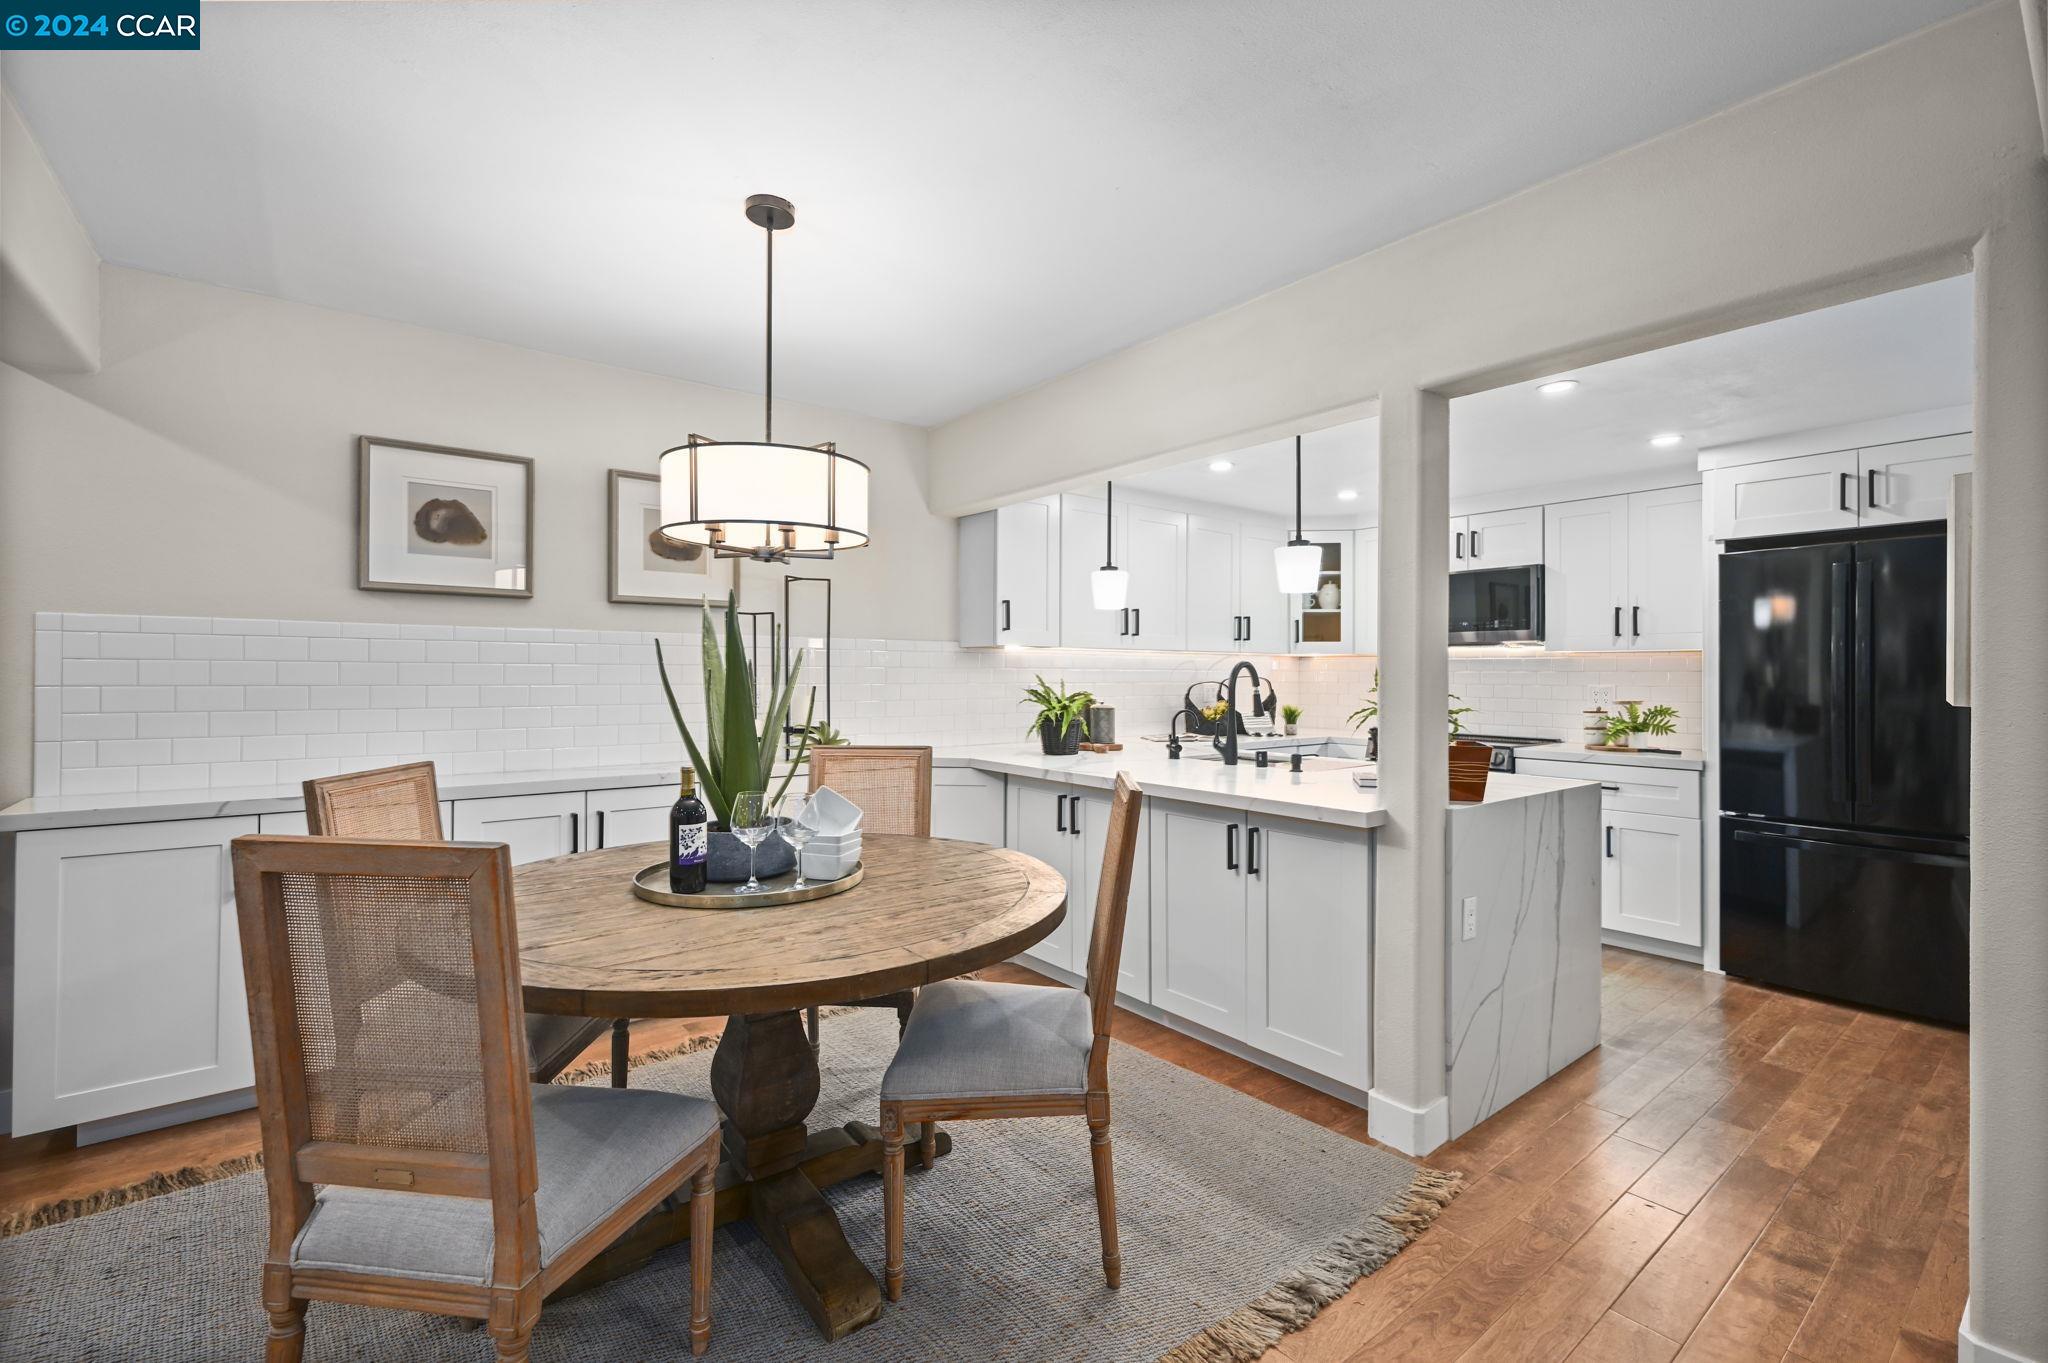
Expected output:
(768, 400)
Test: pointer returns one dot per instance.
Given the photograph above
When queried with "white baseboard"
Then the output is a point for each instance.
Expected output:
(1971, 1349)
(171, 1114)
(1411, 1130)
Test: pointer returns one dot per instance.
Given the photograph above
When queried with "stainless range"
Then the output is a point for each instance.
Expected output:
(1504, 746)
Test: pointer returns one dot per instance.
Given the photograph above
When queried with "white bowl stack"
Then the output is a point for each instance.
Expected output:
(834, 848)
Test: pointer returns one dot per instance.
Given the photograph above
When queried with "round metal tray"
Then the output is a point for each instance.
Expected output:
(651, 884)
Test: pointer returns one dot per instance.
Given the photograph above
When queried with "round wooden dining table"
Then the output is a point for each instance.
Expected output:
(926, 909)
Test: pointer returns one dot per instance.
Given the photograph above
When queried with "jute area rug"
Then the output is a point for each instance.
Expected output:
(1239, 1222)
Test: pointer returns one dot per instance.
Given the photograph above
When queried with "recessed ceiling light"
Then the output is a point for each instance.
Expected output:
(1556, 387)
(1349, 494)
(1666, 440)
(1220, 466)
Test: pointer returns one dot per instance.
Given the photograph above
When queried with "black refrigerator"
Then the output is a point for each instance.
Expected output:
(1845, 774)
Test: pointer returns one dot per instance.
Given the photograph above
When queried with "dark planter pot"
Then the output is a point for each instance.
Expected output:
(727, 861)
(1056, 746)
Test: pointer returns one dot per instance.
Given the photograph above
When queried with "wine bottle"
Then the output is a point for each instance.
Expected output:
(689, 839)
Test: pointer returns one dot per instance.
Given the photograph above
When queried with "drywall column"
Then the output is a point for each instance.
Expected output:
(2008, 1313)
(1408, 1109)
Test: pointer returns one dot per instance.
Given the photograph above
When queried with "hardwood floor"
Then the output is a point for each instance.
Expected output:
(1735, 1174)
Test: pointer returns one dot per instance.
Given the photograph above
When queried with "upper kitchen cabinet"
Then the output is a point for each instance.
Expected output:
(1497, 539)
(1234, 603)
(1151, 545)
(1010, 575)
(1323, 620)
(1840, 490)
(1909, 481)
(1624, 572)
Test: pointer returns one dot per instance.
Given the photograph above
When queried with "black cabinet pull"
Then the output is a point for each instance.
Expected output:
(1251, 851)
(1872, 499)
(1475, 546)
(1124, 619)
(1635, 621)
(1060, 817)
(1297, 631)
(1606, 786)
(1247, 629)
(600, 831)
(1230, 848)
(1461, 544)
(1006, 613)
(1137, 621)
(573, 848)
(1610, 840)
(1847, 490)
(1074, 816)
(1617, 622)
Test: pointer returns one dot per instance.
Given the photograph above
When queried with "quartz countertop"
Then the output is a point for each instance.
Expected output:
(1686, 759)
(1322, 796)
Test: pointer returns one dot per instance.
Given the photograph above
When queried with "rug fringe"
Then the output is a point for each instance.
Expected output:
(71, 1208)
(1299, 1298)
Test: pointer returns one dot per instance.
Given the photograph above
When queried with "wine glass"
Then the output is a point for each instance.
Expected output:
(751, 824)
(789, 812)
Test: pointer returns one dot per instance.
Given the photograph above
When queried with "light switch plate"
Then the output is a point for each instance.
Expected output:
(1600, 696)
(1471, 928)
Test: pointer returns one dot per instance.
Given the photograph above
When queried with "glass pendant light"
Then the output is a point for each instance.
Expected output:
(763, 499)
(1297, 562)
(1110, 585)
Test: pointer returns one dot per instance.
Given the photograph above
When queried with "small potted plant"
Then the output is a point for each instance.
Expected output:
(1636, 718)
(1290, 715)
(1061, 717)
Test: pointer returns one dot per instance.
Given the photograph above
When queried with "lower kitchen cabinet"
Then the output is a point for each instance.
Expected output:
(292, 822)
(127, 970)
(535, 827)
(1650, 876)
(1308, 948)
(1134, 968)
(1038, 827)
(967, 804)
(1198, 915)
(619, 818)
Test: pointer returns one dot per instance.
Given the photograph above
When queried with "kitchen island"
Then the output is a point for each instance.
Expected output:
(1251, 922)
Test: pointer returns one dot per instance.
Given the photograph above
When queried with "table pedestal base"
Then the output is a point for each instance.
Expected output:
(765, 1078)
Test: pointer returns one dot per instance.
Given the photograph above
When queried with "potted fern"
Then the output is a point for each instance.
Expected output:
(1636, 718)
(1060, 717)
(740, 747)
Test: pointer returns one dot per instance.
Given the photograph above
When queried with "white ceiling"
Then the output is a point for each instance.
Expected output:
(1908, 351)
(989, 193)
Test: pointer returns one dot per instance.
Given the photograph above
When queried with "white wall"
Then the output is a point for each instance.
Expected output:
(208, 470)
(49, 272)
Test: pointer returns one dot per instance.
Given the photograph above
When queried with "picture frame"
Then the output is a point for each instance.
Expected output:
(435, 518)
(639, 573)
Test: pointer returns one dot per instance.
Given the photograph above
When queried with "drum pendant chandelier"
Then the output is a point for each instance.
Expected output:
(760, 499)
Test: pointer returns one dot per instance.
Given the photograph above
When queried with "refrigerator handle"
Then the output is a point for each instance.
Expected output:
(1866, 678)
(1839, 758)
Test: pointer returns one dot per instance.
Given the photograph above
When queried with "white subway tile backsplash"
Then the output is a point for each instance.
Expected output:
(99, 781)
(77, 753)
(233, 701)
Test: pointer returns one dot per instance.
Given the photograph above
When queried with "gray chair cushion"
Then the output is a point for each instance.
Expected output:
(552, 1042)
(596, 1148)
(973, 1039)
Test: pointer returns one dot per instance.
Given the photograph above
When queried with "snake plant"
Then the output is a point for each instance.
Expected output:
(737, 755)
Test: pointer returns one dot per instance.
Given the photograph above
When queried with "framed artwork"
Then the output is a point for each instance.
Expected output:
(430, 518)
(649, 568)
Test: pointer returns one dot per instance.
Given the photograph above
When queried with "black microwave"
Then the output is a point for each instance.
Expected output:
(1497, 605)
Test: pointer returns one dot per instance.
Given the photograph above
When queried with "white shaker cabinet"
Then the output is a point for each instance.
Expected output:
(1321, 627)
(1666, 569)
(1785, 496)
(535, 827)
(1198, 916)
(968, 804)
(1308, 958)
(1259, 598)
(127, 969)
(1909, 481)
(1585, 576)
(1502, 539)
(1215, 619)
(1010, 574)
(293, 821)
(1152, 545)
(1039, 826)
(619, 818)
(1650, 876)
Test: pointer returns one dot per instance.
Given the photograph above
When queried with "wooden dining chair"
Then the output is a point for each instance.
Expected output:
(975, 1049)
(448, 1182)
(403, 804)
(893, 787)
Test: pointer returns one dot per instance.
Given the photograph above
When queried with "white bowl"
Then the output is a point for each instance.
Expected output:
(829, 865)
(832, 814)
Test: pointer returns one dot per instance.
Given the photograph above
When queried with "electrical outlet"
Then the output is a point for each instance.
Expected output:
(1600, 696)
(1471, 929)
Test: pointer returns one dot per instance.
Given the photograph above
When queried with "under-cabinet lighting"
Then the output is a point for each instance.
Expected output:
(1557, 387)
